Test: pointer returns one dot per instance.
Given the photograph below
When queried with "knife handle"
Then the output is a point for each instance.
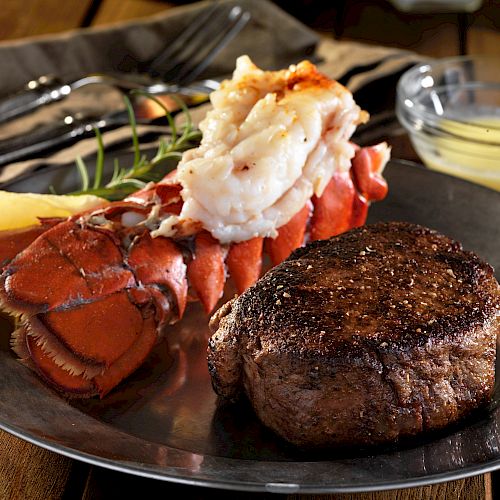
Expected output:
(45, 90)
(44, 139)
(55, 136)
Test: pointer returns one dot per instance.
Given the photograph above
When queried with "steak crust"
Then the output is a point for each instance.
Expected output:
(383, 332)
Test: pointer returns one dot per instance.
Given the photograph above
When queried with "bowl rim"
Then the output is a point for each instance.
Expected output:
(408, 112)
(433, 64)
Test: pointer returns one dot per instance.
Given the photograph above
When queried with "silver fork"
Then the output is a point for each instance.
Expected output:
(196, 47)
(172, 71)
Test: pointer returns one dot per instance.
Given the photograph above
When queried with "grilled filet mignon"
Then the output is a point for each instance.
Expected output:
(380, 333)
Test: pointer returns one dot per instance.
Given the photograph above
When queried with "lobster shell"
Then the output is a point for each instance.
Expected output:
(94, 294)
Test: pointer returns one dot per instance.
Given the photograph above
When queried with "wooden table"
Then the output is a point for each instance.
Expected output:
(30, 472)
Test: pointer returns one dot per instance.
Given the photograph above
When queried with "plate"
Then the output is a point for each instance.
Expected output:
(164, 421)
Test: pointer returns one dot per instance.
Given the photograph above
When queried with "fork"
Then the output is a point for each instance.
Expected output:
(198, 44)
(173, 70)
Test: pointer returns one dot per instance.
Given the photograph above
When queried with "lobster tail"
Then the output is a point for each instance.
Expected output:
(95, 292)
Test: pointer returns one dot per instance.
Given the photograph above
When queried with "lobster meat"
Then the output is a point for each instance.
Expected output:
(94, 293)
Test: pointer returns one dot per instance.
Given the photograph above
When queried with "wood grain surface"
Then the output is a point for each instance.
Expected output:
(30, 472)
(19, 19)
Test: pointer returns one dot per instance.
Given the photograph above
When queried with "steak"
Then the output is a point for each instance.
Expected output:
(384, 332)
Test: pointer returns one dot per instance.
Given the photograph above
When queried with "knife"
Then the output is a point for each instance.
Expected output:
(48, 89)
(71, 129)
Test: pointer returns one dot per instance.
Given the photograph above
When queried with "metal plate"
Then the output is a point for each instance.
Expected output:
(164, 422)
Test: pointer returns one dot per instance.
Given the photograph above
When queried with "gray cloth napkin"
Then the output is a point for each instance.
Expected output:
(273, 39)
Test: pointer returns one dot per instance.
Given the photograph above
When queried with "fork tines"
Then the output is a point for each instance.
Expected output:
(197, 45)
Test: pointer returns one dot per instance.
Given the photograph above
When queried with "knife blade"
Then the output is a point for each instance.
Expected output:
(53, 136)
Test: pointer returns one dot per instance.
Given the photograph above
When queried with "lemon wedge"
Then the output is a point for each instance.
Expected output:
(18, 210)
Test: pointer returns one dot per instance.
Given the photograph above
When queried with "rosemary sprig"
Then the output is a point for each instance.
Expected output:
(125, 181)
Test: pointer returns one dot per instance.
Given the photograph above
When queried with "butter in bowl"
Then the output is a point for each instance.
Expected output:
(451, 111)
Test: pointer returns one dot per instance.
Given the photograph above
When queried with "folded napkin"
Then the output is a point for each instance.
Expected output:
(370, 72)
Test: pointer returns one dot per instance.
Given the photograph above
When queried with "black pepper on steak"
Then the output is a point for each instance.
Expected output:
(383, 332)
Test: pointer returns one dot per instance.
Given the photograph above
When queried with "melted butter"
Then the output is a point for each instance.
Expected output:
(477, 160)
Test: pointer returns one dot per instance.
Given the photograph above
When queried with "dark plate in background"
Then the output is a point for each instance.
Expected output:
(164, 422)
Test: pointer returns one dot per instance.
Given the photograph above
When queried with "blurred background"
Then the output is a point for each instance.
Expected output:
(432, 27)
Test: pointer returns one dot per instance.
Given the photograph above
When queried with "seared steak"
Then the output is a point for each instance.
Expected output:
(383, 332)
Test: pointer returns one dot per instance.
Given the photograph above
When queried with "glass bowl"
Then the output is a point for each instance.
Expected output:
(451, 111)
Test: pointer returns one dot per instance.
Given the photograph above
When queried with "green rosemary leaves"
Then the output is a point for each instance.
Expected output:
(126, 180)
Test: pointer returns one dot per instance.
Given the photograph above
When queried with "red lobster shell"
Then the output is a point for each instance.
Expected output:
(94, 293)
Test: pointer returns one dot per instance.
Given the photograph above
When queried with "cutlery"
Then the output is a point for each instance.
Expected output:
(173, 70)
(75, 127)
(72, 128)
